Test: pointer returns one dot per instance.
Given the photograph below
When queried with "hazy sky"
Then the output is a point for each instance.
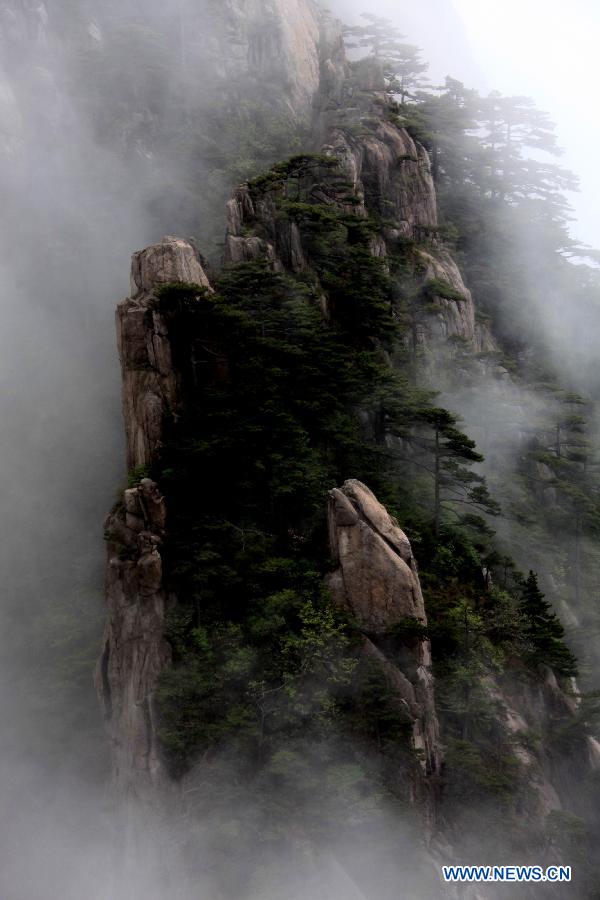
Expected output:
(545, 49)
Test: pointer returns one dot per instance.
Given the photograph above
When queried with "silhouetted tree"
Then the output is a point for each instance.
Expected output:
(545, 631)
(402, 63)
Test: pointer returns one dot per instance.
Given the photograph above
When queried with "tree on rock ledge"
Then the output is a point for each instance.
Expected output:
(545, 631)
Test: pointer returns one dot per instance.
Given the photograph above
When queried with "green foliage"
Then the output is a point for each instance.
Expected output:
(476, 774)
(435, 287)
(446, 450)
(284, 403)
(136, 475)
(410, 628)
(570, 834)
(401, 62)
(544, 630)
(296, 168)
(246, 476)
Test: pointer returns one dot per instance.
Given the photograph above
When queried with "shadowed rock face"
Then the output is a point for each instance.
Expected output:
(390, 174)
(135, 651)
(376, 581)
(151, 386)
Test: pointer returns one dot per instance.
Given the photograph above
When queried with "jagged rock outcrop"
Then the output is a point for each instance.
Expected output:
(260, 42)
(151, 385)
(169, 261)
(390, 176)
(135, 650)
(377, 582)
(532, 713)
(456, 317)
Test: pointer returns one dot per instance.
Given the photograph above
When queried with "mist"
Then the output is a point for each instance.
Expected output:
(94, 165)
(88, 175)
(529, 49)
(526, 48)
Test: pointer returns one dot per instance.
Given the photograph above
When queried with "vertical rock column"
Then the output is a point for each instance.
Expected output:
(135, 651)
(377, 582)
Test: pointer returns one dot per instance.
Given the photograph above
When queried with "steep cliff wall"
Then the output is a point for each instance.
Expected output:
(382, 179)
(390, 175)
(259, 43)
(135, 651)
(279, 39)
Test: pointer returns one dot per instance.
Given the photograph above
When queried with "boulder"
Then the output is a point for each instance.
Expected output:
(170, 260)
(151, 385)
(376, 579)
(376, 582)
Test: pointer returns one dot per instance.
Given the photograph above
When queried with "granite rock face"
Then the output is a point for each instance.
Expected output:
(171, 260)
(294, 43)
(376, 581)
(390, 175)
(151, 385)
(135, 651)
(262, 42)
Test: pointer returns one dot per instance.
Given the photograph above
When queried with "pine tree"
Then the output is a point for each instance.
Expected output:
(402, 63)
(563, 446)
(405, 70)
(449, 118)
(443, 450)
(545, 631)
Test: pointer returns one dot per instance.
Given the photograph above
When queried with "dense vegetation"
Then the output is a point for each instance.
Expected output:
(298, 380)
(506, 215)
(503, 211)
(284, 404)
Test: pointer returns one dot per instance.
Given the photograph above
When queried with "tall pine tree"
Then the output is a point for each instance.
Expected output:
(544, 630)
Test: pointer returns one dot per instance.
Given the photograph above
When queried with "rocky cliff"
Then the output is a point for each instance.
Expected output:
(135, 651)
(265, 42)
(376, 581)
(389, 175)
(279, 40)
(369, 170)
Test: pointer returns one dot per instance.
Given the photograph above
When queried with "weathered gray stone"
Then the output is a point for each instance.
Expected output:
(380, 582)
(170, 260)
(135, 651)
(151, 386)
(376, 581)
(394, 170)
